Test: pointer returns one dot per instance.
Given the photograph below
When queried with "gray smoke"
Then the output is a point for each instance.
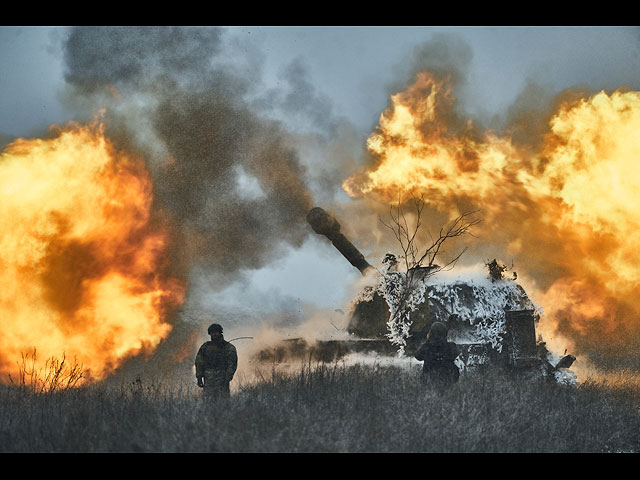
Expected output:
(229, 177)
(301, 100)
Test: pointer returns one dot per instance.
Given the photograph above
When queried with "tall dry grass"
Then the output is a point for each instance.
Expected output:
(327, 408)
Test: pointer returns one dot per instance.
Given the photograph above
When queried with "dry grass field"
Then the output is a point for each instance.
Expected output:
(327, 408)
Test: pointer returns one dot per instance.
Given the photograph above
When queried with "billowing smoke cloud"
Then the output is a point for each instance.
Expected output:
(444, 55)
(228, 176)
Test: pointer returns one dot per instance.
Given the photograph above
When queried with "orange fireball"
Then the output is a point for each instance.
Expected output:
(81, 255)
(563, 207)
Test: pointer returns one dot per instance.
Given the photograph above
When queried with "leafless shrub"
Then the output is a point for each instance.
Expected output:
(416, 256)
(55, 375)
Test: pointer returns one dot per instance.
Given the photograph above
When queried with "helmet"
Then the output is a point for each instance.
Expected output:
(214, 327)
(438, 330)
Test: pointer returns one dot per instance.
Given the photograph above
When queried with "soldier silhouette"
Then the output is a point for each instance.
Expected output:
(216, 363)
(439, 356)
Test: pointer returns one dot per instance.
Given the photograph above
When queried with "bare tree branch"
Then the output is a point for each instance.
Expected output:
(420, 262)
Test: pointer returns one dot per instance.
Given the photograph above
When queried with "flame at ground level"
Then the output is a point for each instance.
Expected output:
(81, 254)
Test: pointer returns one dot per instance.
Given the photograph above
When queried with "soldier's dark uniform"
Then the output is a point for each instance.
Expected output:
(216, 363)
(439, 356)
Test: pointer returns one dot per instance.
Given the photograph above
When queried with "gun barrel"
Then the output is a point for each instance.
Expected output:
(325, 224)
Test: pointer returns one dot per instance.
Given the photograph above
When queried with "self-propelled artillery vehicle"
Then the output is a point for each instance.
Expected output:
(491, 318)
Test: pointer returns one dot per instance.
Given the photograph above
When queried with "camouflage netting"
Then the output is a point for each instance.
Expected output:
(474, 308)
(480, 305)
